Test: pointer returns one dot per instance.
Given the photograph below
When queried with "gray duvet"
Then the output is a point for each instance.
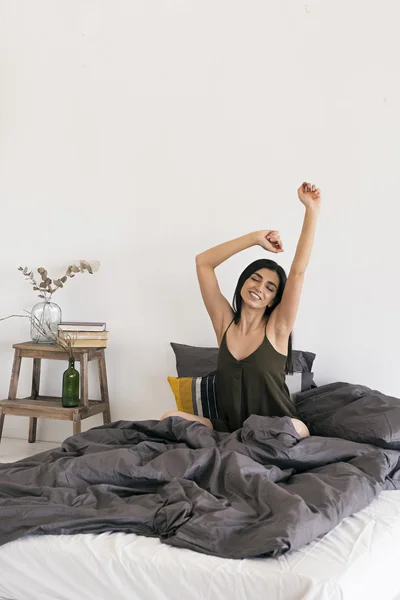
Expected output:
(257, 491)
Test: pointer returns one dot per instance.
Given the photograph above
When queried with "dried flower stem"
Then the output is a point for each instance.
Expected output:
(44, 330)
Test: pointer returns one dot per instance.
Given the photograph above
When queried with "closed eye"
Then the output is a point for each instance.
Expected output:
(258, 279)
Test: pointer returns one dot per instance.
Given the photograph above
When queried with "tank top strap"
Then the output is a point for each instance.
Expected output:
(226, 330)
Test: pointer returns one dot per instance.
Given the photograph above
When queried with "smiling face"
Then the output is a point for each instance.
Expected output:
(259, 290)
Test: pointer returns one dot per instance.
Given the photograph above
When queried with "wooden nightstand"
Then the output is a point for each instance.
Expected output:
(47, 407)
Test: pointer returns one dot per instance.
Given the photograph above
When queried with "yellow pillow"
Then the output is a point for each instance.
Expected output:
(182, 389)
(195, 395)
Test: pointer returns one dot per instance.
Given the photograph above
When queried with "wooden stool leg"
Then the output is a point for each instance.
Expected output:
(34, 394)
(2, 415)
(84, 380)
(76, 423)
(32, 430)
(12, 393)
(104, 388)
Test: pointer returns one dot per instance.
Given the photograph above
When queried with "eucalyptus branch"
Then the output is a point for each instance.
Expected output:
(47, 286)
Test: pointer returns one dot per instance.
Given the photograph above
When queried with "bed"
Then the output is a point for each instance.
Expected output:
(358, 560)
(269, 515)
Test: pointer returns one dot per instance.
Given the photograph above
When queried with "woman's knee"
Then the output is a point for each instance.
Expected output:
(172, 413)
(301, 428)
(188, 417)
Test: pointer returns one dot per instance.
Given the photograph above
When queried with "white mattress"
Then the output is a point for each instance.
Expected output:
(358, 560)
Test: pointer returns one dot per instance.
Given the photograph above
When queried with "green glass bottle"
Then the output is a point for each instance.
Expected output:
(70, 387)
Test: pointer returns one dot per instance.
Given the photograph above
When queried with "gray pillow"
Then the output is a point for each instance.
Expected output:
(197, 361)
(194, 361)
(352, 412)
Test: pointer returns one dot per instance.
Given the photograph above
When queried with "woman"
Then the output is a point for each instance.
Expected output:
(254, 336)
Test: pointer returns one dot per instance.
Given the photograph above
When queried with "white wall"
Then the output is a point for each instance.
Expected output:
(141, 133)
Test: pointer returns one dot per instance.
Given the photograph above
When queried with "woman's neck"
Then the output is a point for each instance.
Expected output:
(251, 321)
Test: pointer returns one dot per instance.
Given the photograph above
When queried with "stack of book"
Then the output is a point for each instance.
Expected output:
(84, 335)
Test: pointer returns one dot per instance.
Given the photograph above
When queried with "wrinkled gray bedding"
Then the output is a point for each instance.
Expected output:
(257, 491)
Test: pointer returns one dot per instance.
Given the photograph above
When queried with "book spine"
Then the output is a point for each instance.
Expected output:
(84, 335)
(82, 328)
(89, 344)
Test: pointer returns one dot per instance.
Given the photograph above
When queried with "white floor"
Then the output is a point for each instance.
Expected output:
(13, 449)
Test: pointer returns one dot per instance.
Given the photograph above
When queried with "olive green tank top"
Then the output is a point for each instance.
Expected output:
(254, 385)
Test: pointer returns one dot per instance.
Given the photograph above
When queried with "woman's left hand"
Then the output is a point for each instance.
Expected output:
(309, 195)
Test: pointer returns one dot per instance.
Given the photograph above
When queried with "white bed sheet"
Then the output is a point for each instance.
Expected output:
(358, 560)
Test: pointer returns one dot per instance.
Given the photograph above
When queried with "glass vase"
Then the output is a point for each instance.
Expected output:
(45, 318)
(70, 386)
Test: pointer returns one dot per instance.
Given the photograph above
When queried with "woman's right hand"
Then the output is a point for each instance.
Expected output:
(270, 240)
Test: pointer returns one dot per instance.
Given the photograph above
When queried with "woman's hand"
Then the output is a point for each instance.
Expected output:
(270, 240)
(309, 195)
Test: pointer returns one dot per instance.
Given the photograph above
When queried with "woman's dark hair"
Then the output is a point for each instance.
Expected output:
(263, 263)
